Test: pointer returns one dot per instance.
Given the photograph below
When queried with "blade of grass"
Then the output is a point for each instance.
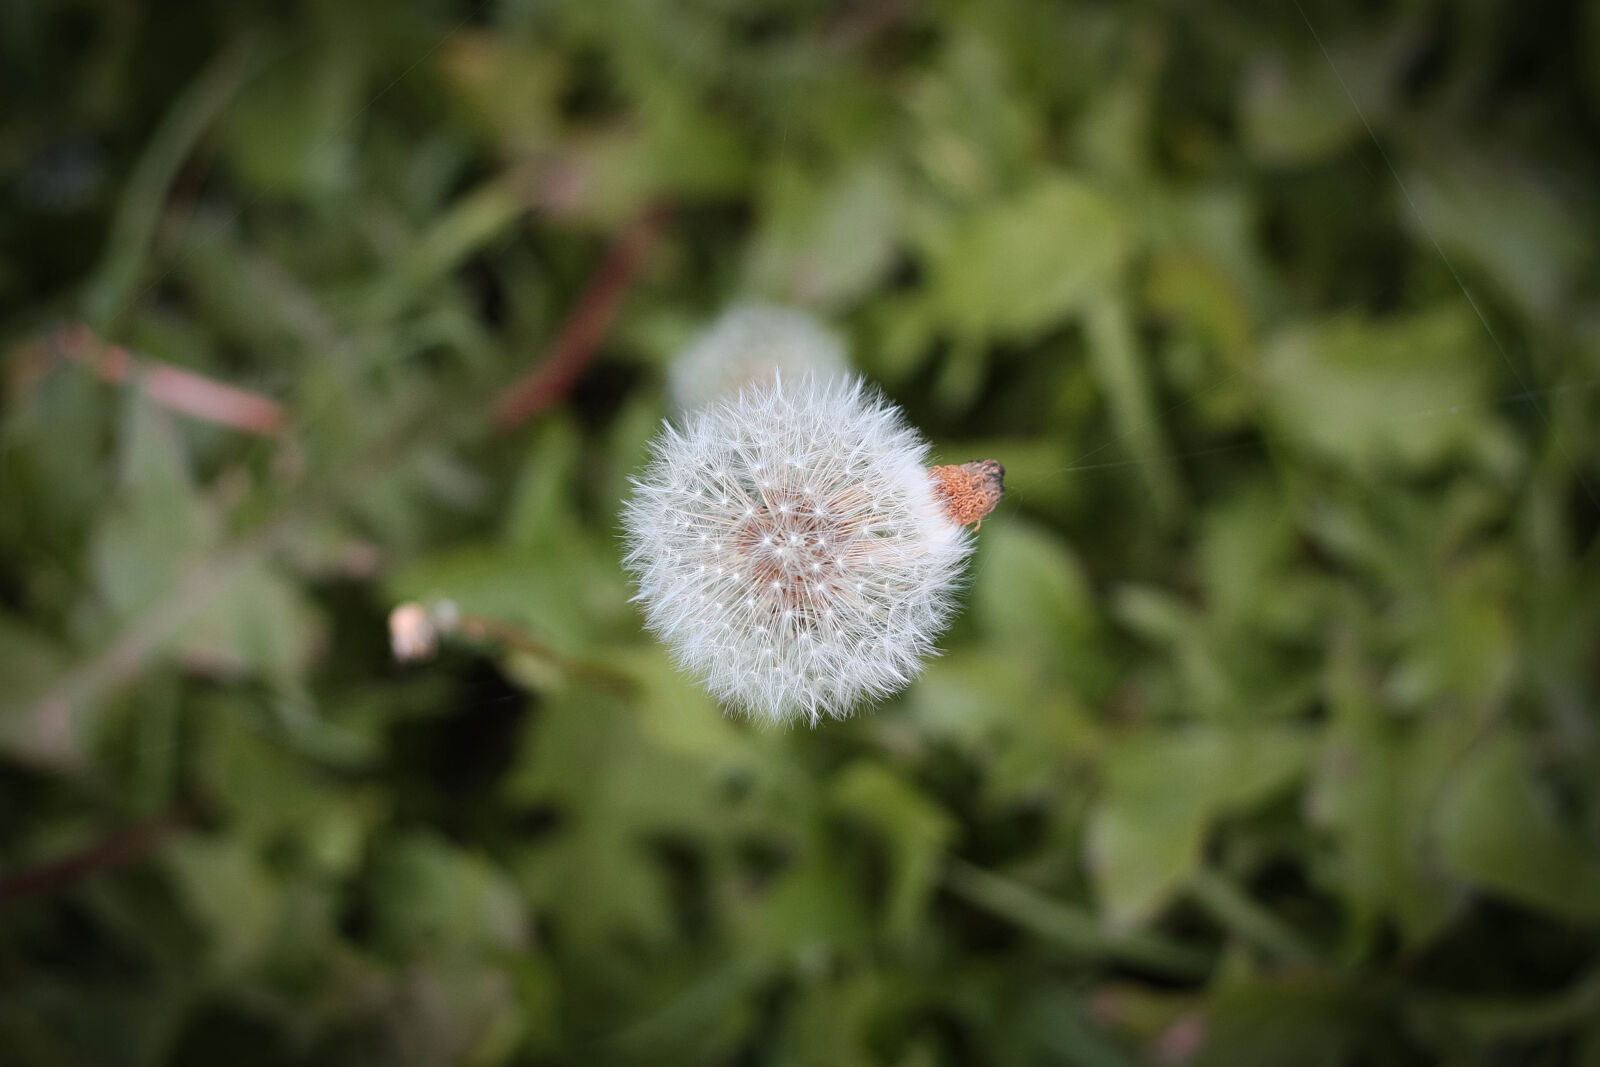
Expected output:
(1114, 351)
(110, 290)
(1074, 928)
(1246, 919)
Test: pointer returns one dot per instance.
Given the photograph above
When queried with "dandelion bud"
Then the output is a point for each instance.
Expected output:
(414, 630)
(751, 344)
(793, 550)
(412, 635)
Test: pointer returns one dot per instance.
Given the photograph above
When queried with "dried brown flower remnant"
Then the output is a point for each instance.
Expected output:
(970, 490)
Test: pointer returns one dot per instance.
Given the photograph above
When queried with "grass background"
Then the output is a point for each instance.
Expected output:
(1267, 733)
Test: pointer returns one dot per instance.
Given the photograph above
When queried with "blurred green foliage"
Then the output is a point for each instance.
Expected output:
(1268, 734)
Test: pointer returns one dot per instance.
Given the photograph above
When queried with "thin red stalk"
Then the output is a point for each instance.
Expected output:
(119, 849)
(860, 22)
(171, 387)
(586, 325)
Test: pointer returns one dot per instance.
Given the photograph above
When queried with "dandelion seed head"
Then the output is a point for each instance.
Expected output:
(751, 344)
(798, 590)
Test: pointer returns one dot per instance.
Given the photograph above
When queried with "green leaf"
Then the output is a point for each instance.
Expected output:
(285, 136)
(810, 914)
(432, 898)
(159, 524)
(1508, 221)
(826, 243)
(1374, 790)
(232, 895)
(547, 571)
(1497, 827)
(1309, 1020)
(108, 292)
(1196, 291)
(1245, 545)
(619, 781)
(1031, 594)
(1162, 792)
(1296, 116)
(30, 662)
(159, 530)
(263, 626)
(1373, 394)
(1019, 266)
(915, 829)
(1121, 367)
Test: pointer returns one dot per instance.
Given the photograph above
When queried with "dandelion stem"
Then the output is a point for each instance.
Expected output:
(586, 326)
(118, 849)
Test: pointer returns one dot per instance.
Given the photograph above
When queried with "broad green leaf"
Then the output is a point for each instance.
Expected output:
(1195, 291)
(263, 626)
(615, 787)
(1245, 544)
(232, 895)
(1031, 595)
(159, 524)
(1370, 394)
(913, 827)
(160, 532)
(285, 136)
(825, 243)
(434, 899)
(1506, 220)
(1306, 1020)
(1374, 789)
(970, 127)
(1162, 792)
(1022, 265)
(809, 915)
(1498, 828)
(509, 91)
(1296, 116)
(832, 1021)
(30, 662)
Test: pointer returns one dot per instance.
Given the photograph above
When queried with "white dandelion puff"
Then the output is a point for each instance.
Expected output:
(793, 549)
(752, 344)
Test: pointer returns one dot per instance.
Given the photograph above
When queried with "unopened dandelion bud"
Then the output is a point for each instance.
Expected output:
(412, 635)
(414, 630)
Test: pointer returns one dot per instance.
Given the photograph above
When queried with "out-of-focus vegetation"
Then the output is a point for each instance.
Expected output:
(1268, 733)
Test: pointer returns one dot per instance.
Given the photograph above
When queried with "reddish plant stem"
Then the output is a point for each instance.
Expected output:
(120, 848)
(171, 387)
(586, 326)
(855, 24)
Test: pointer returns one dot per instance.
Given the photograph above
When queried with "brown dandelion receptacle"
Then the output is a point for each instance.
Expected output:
(970, 490)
